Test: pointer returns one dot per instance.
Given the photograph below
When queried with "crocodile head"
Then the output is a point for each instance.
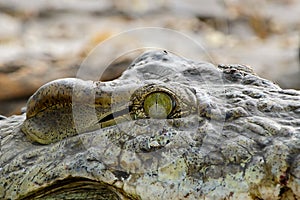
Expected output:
(168, 128)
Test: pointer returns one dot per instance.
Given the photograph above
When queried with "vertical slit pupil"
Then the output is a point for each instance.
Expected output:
(158, 105)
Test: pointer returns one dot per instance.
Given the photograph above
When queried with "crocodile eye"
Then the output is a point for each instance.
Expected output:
(158, 105)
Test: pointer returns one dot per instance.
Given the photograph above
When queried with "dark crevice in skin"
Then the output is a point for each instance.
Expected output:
(78, 188)
(2, 117)
(114, 115)
(121, 174)
(283, 192)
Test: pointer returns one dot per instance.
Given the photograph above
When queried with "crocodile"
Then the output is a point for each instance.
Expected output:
(168, 128)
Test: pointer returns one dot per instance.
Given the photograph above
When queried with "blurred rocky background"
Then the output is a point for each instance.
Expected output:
(42, 40)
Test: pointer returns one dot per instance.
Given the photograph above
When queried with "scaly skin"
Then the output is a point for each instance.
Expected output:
(230, 135)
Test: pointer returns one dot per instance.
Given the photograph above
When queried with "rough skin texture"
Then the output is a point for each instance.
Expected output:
(241, 142)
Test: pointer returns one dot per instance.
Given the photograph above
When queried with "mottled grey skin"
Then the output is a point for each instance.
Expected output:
(234, 135)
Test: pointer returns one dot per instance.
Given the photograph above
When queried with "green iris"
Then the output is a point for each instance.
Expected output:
(158, 105)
